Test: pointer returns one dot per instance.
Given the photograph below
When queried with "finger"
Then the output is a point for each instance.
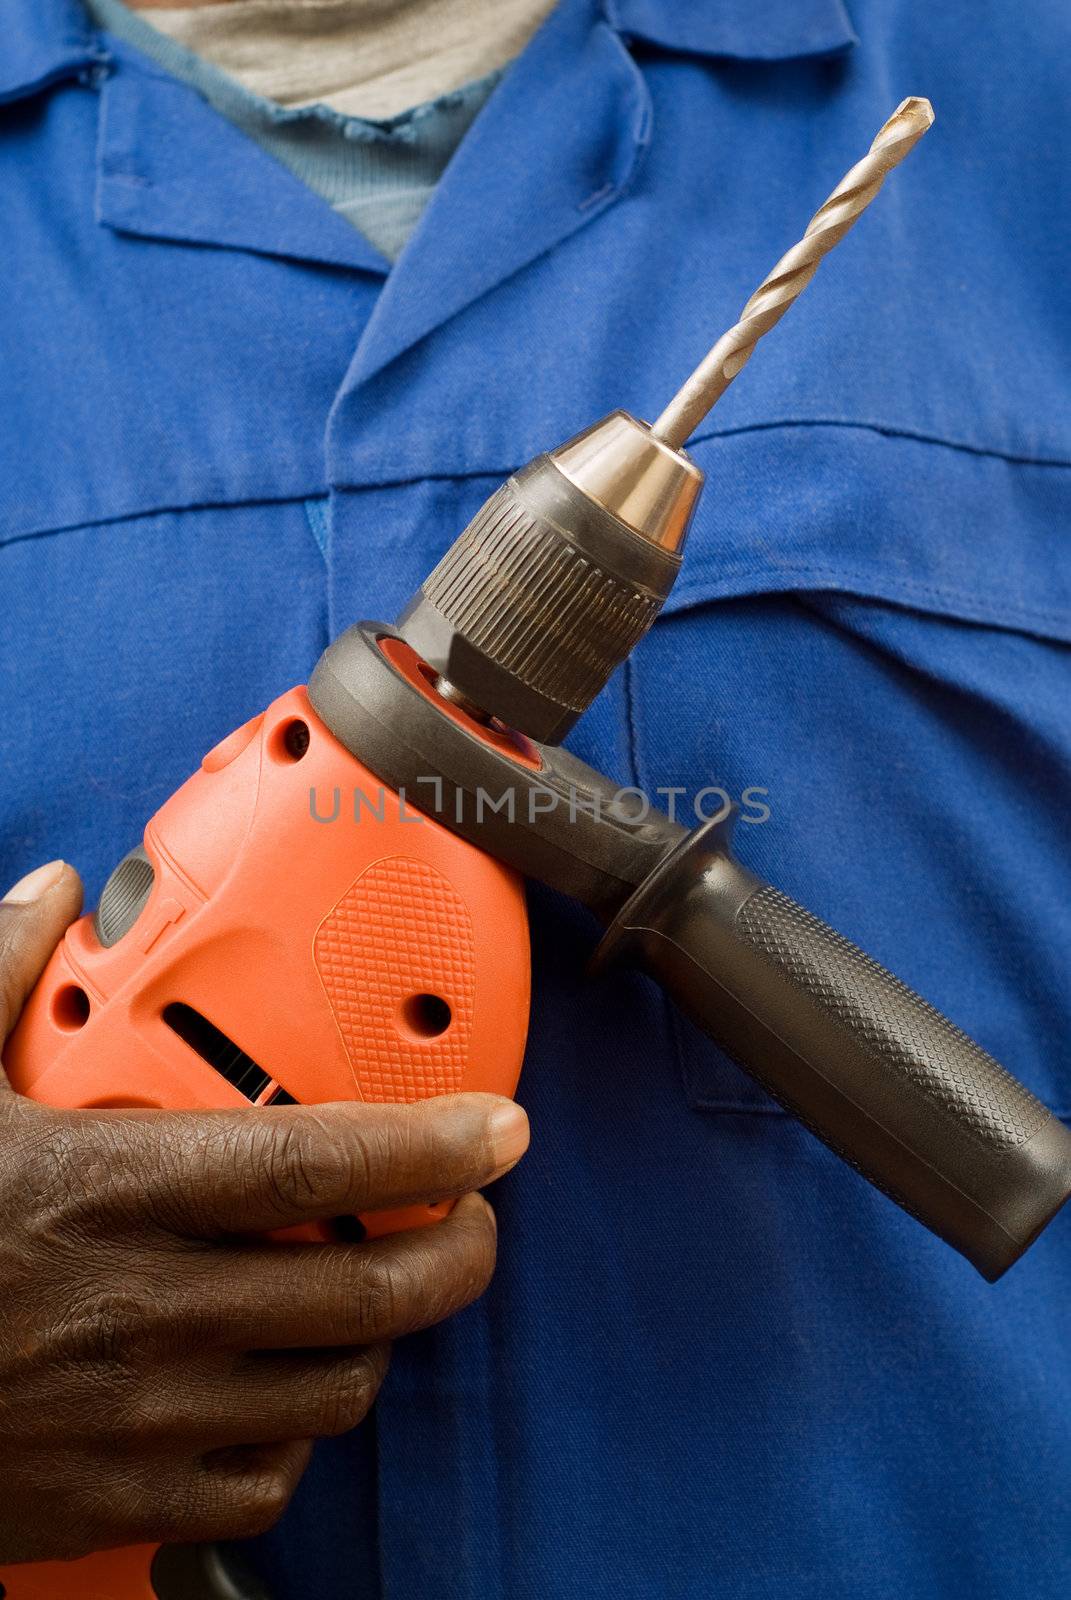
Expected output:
(228, 1494)
(225, 1172)
(246, 1490)
(299, 1395)
(283, 1297)
(33, 915)
(207, 1405)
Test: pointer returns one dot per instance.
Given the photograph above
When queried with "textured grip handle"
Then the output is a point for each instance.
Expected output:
(899, 1028)
(876, 1072)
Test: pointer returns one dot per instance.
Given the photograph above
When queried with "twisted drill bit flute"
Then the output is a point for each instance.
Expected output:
(793, 272)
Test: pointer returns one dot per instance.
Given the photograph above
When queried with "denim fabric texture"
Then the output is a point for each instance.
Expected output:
(714, 1364)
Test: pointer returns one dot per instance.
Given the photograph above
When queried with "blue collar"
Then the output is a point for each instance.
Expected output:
(46, 41)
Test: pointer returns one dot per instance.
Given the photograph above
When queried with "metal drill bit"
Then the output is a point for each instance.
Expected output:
(793, 272)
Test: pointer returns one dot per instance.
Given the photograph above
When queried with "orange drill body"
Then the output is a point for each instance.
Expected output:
(333, 934)
(372, 955)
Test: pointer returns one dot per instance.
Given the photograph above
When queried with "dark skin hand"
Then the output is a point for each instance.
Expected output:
(162, 1372)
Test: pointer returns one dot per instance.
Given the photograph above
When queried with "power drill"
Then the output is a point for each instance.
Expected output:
(248, 952)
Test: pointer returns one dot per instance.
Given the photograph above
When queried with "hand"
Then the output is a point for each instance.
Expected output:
(161, 1377)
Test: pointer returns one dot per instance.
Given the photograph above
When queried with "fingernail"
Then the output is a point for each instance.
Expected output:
(35, 883)
(509, 1135)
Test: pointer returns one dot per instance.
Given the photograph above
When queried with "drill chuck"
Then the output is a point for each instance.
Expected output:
(560, 573)
(564, 569)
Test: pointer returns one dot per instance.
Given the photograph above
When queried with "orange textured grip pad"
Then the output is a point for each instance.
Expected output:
(401, 931)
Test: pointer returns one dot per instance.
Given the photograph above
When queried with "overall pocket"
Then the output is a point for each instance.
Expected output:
(876, 671)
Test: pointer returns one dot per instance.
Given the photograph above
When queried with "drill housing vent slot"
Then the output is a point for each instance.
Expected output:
(223, 1055)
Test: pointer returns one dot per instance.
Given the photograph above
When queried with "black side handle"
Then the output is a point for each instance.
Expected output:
(887, 1082)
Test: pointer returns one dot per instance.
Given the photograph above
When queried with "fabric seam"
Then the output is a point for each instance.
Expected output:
(469, 474)
(885, 431)
(851, 579)
(317, 516)
(857, 576)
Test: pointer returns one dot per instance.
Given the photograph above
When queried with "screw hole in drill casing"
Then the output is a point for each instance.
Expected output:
(426, 1016)
(70, 1007)
(290, 741)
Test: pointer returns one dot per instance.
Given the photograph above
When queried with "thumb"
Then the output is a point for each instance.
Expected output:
(33, 916)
